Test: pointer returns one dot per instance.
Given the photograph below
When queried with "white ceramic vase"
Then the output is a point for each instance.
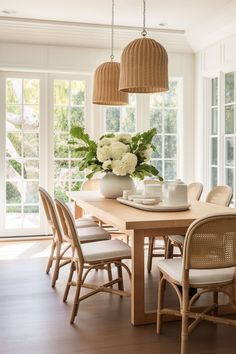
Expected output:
(112, 186)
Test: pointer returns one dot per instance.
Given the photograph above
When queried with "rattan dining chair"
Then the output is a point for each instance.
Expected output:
(220, 195)
(208, 264)
(87, 257)
(194, 193)
(89, 231)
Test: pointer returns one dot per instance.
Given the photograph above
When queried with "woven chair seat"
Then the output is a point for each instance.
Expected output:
(106, 250)
(177, 239)
(85, 222)
(173, 268)
(91, 234)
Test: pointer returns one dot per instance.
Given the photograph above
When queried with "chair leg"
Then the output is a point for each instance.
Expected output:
(109, 272)
(57, 264)
(160, 301)
(150, 253)
(185, 312)
(75, 307)
(216, 299)
(120, 276)
(169, 249)
(50, 260)
(68, 285)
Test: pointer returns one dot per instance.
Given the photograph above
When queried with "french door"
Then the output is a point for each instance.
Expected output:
(37, 112)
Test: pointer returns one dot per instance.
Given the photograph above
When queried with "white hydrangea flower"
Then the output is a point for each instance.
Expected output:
(117, 150)
(124, 138)
(119, 168)
(130, 160)
(103, 153)
(105, 141)
(107, 164)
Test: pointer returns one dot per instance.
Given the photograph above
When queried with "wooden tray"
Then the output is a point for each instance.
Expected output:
(156, 207)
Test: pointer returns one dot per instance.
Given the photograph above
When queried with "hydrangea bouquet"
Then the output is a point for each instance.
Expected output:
(120, 154)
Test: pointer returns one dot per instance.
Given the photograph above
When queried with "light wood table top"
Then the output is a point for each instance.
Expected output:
(129, 218)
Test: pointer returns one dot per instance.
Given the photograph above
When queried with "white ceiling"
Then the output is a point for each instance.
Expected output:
(186, 18)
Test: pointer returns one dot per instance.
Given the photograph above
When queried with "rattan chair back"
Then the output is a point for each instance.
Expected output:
(194, 191)
(210, 243)
(221, 195)
(51, 213)
(91, 185)
(68, 222)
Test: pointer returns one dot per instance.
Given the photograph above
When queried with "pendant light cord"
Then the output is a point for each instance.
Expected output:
(112, 30)
(144, 31)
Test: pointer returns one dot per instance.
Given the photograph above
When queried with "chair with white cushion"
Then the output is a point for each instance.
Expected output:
(90, 232)
(90, 256)
(220, 195)
(209, 265)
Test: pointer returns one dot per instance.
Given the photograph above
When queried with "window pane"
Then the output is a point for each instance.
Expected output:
(76, 186)
(214, 151)
(14, 192)
(229, 87)
(77, 116)
(31, 118)
(31, 145)
(61, 169)
(214, 91)
(229, 177)
(156, 100)
(157, 142)
(31, 169)
(13, 118)
(60, 189)
(31, 91)
(214, 177)
(13, 169)
(170, 146)
(61, 145)
(128, 120)
(112, 119)
(214, 121)
(77, 93)
(170, 117)
(156, 119)
(75, 172)
(13, 217)
(229, 151)
(229, 119)
(31, 192)
(61, 92)
(61, 118)
(14, 145)
(170, 170)
(170, 97)
(31, 216)
(14, 91)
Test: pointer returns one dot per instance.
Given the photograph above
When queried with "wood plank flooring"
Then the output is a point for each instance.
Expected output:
(34, 320)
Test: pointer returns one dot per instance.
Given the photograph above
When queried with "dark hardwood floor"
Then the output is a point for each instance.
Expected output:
(34, 320)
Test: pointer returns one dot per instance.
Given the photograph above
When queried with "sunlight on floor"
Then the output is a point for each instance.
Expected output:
(24, 249)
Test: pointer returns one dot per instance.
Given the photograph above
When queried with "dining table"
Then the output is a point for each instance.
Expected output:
(139, 224)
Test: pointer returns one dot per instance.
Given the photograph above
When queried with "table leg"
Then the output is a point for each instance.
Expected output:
(78, 212)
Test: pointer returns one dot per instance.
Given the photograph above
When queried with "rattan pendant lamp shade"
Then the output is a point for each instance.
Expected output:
(106, 80)
(144, 65)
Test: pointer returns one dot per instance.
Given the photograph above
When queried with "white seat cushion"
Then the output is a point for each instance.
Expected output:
(85, 223)
(106, 250)
(92, 234)
(177, 238)
(173, 267)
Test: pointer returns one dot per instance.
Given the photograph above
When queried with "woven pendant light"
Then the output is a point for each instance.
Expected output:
(144, 65)
(106, 79)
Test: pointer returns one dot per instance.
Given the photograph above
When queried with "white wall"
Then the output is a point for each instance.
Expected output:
(210, 62)
(25, 57)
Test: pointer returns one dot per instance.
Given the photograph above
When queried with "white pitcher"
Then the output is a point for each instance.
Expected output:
(175, 192)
